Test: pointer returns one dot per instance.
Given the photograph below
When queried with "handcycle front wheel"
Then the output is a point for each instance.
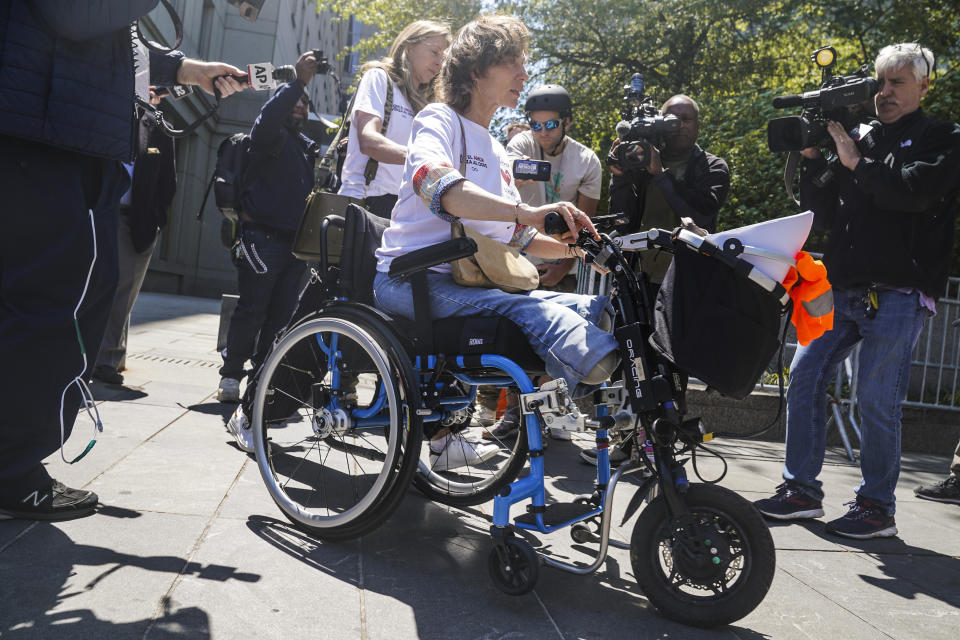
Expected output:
(334, 424)
(716, 588)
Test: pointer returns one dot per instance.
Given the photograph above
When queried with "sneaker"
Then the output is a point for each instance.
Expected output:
(617, 456)
(559, 433)
(484, 416)
(864, 520)
(471, 435)
(507, 427)
(459, 453)
(947, 490)
(789, 504)
(229, 390)
(239, 426)
(54, 502)
(103, 373)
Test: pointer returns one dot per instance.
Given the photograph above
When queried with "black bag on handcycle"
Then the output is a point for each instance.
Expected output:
(715, 323)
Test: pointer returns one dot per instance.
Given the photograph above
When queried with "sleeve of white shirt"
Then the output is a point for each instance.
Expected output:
(590, 185)
(371, 94)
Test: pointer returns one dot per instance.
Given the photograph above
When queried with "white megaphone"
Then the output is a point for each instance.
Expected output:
(770, 246)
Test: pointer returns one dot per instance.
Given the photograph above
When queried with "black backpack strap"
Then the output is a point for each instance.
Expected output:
(370, 172)
(206, 194)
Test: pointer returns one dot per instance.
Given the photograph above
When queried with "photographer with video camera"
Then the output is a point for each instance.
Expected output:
(69, 78)
(889, 210)
(661, 178)
(277, 180)
(657, 182)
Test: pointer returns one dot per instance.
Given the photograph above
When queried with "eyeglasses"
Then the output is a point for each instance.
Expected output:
(549, 125)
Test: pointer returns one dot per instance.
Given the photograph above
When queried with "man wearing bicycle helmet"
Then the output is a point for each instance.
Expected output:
(575, 175)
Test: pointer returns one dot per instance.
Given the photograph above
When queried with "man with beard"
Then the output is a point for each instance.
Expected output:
(277, 181)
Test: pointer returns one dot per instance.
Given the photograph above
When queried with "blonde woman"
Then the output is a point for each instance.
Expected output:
(414, 61)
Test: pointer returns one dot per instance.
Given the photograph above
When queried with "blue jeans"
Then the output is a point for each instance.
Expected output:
(561, 327)
(887, 344)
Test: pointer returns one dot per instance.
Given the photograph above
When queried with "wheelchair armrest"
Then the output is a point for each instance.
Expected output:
(432, 256)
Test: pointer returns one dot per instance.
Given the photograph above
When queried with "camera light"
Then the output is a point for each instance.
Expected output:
(825, 56)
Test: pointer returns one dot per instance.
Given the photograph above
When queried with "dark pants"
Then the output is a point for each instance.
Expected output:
(46, 252)
(268, 279)
(381, 206)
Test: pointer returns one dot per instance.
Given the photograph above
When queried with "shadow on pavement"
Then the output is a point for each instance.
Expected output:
(35, 596)
(434, 559)
(910, 570)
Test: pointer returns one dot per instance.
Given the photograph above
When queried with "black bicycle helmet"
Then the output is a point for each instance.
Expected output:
(549, 97)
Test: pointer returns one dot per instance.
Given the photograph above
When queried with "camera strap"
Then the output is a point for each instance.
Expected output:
(789, 172)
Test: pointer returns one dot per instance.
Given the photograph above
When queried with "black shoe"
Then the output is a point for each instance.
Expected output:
(506, 428)
(789, 504)
(947, 490)
(864, 520)
(53, 502)
(103, 373)
(617, 456)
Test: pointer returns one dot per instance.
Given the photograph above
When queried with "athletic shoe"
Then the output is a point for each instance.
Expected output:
(617, 456)
(471, 435)
(229, 390)
(864, 520)
(54, 502)
(789, 504)
(947, 490)
(239, 426)
(458, 453)
(507, 427)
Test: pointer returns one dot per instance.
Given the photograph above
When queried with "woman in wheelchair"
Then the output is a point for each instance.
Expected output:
(483, 71)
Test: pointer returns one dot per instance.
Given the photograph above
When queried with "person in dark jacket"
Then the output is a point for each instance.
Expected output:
(889, 210)
(143, 213)
(67, 121)
(278, 180)
(681, 183)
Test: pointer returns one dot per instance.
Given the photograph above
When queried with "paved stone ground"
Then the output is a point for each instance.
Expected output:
(187, 543)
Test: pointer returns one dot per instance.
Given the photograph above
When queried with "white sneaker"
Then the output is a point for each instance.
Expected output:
(239, 426)
(229, 390)
(471, 435)
(559, 433)
(459, 453)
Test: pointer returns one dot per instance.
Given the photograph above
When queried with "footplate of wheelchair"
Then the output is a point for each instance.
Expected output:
(557, 408)
(557, 514)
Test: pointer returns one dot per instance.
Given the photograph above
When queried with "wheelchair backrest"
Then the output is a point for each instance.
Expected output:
(362, 233)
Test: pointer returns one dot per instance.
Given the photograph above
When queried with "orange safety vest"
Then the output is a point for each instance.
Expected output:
(812, 297)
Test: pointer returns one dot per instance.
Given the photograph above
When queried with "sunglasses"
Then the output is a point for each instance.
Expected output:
(549, 125)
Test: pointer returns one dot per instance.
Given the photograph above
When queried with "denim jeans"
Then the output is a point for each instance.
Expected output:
(268, 280)
(887, 344)
(561, 327)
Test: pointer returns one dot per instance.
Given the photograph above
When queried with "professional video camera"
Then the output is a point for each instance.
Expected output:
(642, 127)
(839, 98)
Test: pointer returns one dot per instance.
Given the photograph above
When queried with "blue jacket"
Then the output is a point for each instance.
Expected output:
(66, 73)
(279, 175)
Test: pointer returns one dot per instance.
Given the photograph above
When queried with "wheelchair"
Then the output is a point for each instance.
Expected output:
(349, 397)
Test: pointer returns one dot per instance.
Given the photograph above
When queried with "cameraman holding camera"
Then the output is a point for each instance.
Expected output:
(67, 121)
(889, 212)
(278, 180)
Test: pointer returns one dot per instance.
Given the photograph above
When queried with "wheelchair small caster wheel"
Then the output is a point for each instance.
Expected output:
(581, 533)
(518, 574)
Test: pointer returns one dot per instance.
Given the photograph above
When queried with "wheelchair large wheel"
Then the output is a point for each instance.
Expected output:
(474, 483)
(334, 421)
(724, 582)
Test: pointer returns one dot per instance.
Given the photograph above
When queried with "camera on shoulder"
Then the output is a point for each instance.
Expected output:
(844, 99)
(642, 126)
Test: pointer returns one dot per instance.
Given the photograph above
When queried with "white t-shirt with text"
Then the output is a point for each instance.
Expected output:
(434, 140)
(371, 98)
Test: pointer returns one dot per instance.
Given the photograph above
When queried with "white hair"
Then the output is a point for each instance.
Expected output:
(895, 56)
